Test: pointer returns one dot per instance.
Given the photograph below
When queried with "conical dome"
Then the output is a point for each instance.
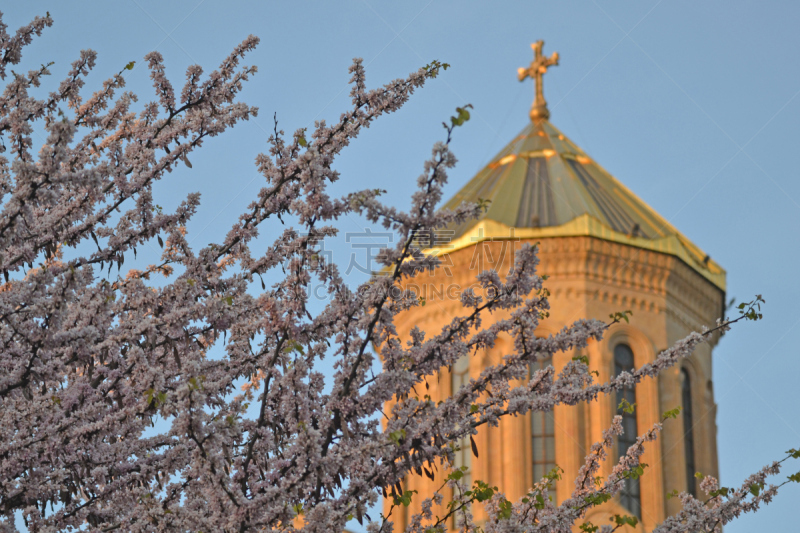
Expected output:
(543, 185)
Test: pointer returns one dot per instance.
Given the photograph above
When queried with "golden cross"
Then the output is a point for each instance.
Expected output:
(538, 67)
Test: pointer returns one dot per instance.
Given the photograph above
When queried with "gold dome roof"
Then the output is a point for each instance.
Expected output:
(543, 185)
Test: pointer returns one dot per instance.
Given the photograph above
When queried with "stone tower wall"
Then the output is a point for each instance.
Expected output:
(588, 278)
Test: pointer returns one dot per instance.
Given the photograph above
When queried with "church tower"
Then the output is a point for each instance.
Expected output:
(604, 250)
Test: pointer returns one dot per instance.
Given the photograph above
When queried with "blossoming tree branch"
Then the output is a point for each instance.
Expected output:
(93, 354)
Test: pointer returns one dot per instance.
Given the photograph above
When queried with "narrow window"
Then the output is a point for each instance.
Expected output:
(543, 433)
(688, 433)
(464, 455)
(630, 496)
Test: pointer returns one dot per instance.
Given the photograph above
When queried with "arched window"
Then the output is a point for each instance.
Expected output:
(630, 496)
(688, 433)
(543, 433)
(460, 377)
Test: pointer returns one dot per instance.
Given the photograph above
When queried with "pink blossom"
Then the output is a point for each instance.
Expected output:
(92, 353)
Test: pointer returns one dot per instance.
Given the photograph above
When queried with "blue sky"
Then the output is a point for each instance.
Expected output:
(693, 105)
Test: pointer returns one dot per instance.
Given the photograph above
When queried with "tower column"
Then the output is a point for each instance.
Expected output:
(570, 450)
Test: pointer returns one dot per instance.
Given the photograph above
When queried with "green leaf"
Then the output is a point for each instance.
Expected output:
(405, 499)
(722, 491)
(151, 396)
(130, 65)
(672, 413)
(588, 527)
(397, 436)
(482, 491)
(433, 67)
(636, 472)
(582, 359)
(456, 475)
(751, 310)
(195, 383)
(294, 346)
(539, 504)
(473, 408)
(302, 141)
(619, 316)
(462, 115)
(623, 520)
(626, 406)
(554, 474)
(504, 510)
(597, 498)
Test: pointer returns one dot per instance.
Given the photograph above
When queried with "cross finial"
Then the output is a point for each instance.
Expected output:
(535, 71)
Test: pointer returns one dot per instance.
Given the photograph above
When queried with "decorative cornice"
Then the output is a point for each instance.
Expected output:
(587, 226)
(628, 276)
